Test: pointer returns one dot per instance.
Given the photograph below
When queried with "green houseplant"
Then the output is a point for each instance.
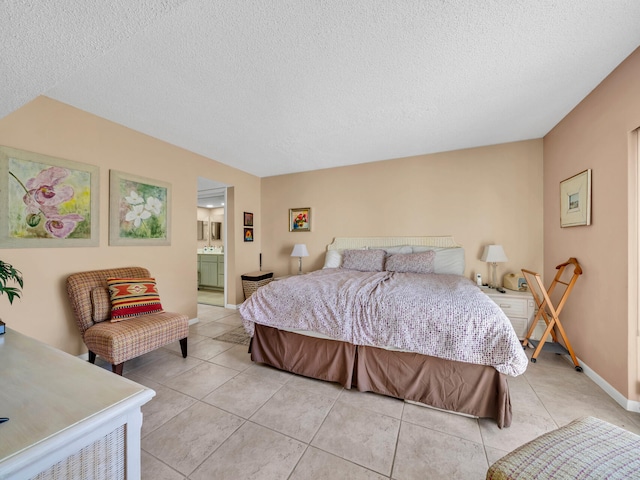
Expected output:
(9, 274)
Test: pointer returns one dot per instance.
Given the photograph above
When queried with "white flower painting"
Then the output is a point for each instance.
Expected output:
(142, 209)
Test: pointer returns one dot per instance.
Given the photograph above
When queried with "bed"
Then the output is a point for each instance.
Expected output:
(395, 316)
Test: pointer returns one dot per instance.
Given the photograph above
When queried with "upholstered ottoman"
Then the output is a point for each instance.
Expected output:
(587, 448)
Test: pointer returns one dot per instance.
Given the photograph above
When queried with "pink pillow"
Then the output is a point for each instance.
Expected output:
(411, 262)
(364, 260)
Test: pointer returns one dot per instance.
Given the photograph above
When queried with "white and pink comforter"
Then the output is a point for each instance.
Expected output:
(440, 315)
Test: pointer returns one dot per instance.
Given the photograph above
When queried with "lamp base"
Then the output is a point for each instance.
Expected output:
(299, 265)
(494, 280)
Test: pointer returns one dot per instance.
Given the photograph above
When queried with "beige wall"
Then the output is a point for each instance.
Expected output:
(600, 326)
(55, 129)
(480, 196)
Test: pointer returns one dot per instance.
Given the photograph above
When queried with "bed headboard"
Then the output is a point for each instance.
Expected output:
(346, 243)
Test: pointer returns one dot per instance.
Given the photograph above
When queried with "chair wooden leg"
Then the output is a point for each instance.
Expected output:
(117, 369)
(92, 357)
(183, 347)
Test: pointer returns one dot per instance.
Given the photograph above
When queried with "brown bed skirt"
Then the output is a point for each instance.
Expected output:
(477, 390)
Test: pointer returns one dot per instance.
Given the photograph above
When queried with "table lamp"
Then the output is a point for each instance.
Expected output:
(300, 250)
(493, 254)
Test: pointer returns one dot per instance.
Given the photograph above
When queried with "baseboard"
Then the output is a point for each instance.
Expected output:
(231, 306)
(629, 405)
(193, 320)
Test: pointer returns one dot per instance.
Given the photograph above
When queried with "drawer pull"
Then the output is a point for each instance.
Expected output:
(502, 305)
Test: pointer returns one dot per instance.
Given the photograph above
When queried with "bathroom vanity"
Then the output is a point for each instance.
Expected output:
(211, 270)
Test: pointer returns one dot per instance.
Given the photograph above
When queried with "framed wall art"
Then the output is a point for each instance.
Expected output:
(139, 210)
(248, 234)
(300, 219)
(248, 219)
(47, 201)
(575, 200)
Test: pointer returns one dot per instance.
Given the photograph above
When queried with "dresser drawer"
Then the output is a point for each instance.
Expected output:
(513, 307)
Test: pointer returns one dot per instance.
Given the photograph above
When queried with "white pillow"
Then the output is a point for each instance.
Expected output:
(333, 259)
(448, 260)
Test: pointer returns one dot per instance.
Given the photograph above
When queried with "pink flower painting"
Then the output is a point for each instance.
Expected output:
(48, 201)
(60, 226)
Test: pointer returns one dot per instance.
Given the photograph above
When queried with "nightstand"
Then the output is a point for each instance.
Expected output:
(518, 306)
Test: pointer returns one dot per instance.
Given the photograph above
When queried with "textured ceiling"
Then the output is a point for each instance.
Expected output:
(274, 87)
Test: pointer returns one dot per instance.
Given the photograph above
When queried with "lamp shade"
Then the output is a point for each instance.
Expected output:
(300, 250)
(493, 253)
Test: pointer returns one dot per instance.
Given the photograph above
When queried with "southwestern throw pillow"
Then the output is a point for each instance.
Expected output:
(132, 297)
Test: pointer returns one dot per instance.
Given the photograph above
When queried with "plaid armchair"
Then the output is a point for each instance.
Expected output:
(123, 340)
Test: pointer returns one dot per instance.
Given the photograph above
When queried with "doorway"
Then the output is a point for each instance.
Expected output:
(211, 234)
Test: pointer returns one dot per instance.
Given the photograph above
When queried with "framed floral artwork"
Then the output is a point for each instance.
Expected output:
(47, 201)
(139, 210)
(300, 219)
(248, 219)
(248, 234)
(575, 200)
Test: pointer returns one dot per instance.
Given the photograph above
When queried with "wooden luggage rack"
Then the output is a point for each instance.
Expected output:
(549, 313)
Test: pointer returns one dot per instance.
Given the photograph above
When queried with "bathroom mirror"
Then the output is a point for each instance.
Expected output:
(203, 229)
(216, 229)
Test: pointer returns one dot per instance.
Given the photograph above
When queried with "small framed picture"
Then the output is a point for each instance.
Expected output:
(575, 200)
(300, 219)
(248, 219)
(248, 234)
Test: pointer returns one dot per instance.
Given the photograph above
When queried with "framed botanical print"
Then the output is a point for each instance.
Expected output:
(47, 201)
(139, 210)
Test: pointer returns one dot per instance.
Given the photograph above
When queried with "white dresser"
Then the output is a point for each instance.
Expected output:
(67, 418)
(518, 306)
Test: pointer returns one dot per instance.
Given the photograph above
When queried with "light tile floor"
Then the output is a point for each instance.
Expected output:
(211, 297)
(217, 415)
